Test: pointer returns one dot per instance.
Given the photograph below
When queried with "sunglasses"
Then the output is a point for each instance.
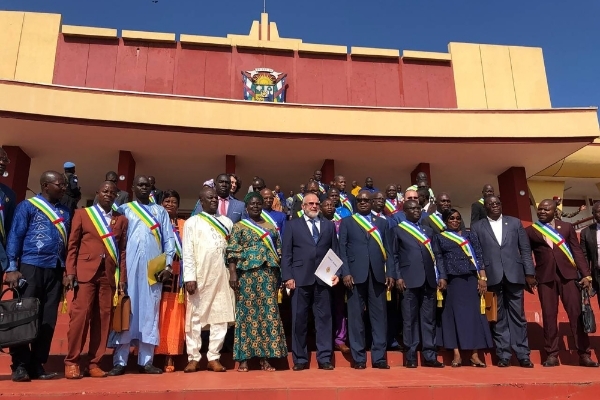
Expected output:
(312, 204)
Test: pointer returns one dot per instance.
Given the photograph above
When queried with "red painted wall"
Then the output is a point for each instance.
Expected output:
(216, 72)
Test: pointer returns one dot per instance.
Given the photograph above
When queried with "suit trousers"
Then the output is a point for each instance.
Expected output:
(510, 331)
(570, 296)
(418, 315)
(340, 322)
(319, 296)
(46, 285)
(394, 318)
(371, 294)
(91, 310)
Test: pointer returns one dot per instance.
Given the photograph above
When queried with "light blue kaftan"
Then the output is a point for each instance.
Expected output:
(145, 299)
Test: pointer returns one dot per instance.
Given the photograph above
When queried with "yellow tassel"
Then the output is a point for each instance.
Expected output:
(116, 299)
(180, 296)
(388, 295)
(63, 309)
(439, 297)
(279, 296)
(482, 304)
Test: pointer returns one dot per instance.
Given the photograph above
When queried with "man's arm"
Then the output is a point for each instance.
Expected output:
(525, 250)
(580, 260)
(74, 244)
(123, 251)
(16, 237)
(343, 245)
(286, 255)
(168, 237)
(188, 250)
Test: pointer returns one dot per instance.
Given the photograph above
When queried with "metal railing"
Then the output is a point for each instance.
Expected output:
(582, 223)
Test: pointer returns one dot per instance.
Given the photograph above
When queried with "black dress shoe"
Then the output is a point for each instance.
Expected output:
(433, 364)
(360, 365)
(551, 362)
(117, 370)
(526, 363)
(397, 347)
(20, 375)
(326, 366)
(503, 363)
(586, 361)
(381, 365)
(411, 364)
(300, 366)
(150, 369)
(41, 374)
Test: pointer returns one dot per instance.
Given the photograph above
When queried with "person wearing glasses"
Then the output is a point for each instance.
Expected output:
(122, 195)
(306, 242)
(36, 250)
(434, 220)
(509, 268)
(463, 324)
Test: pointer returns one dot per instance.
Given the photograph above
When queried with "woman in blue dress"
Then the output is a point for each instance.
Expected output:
(463, 325)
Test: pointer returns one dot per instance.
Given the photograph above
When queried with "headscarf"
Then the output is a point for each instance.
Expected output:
(210, 183)
(252, 195)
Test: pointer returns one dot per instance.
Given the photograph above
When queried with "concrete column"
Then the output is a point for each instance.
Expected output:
(126, 168)
(512, 185)
(18, 171)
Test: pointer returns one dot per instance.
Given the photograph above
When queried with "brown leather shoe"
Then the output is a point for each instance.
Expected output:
(343, 348)
(215, 366)
(97, 373)
(191, 367)
(72, 372)
(551, 361)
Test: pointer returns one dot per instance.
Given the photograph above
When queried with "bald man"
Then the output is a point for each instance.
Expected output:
(478, 210)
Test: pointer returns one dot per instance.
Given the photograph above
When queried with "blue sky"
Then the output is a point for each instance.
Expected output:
(568, 31)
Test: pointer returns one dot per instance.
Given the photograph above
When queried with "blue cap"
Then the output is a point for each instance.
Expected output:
(69, 164)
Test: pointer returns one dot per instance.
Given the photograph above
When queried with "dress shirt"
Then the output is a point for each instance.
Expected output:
(107, 216)
(223, 202)
(378, 214)
(310, 225)
(497, 228)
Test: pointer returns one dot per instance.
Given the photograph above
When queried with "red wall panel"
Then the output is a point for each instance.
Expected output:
(414, 81)
(310, 79)
(428, 84)
(132, 61)
(217, 75)
(334, 80)
(70, 67)
(387, 83)
(190, 71)
(102, 64)
(442, 93)
(160, 68)
(362, 83)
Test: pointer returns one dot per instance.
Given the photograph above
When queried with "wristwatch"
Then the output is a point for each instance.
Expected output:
(589, 278)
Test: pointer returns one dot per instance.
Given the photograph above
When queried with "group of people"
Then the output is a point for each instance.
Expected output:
(410, 270)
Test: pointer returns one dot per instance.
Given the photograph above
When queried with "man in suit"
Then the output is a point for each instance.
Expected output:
(122, 196)
(91, 266)
(228, 206)
(298, 206)
(368, 271)
(477, 209)
(156, 195)
(8, 202)
(348, 199)
(323, 187)
(434, 220)
(277, 218)
(392, 204)
(588, 238)
(509, 267)
(558, 259)
(419, 281)
(306, 242)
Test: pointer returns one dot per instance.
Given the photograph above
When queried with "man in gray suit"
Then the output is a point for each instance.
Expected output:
(122, 197)
(509, 267)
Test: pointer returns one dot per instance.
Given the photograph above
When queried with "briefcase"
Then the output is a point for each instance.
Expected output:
(122, 314)
(491, 306)
(18, 319)
(587, 314)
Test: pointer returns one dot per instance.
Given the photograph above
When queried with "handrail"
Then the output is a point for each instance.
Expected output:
(582, 223)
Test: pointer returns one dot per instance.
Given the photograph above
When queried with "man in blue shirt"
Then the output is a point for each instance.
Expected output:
(8, 202)
(36, 250)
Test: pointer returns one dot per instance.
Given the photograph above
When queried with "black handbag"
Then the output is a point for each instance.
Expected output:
(18, 320)
(587, 314)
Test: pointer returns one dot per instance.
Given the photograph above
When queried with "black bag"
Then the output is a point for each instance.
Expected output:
(18, 320)
(587, 314)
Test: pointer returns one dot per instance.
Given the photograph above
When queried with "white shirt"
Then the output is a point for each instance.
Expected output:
(310, 225)
(497, 228)
(107, 216)
(380, 215)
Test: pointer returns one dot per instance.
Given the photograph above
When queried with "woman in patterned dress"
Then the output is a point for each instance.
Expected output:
(254, 273)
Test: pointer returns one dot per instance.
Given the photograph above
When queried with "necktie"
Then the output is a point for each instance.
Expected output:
(315, 231)
(222, 209)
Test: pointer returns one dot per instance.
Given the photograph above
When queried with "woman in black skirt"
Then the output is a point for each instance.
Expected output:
(463, 325)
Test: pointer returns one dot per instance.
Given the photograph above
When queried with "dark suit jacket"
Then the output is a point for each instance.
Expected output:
(589, 245)
(296, 207)
(300, 256)
(86, 248)
(359, 251)
(477, 212)
(413, 261)
(9, 199)
(158, 195)
(511, 259)
(550, 259)
(235, 211)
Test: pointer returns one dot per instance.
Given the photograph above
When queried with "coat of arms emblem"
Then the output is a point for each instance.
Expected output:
(264, 84)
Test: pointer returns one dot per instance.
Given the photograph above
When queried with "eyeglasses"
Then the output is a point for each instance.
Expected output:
(454, 218)
(495, 204)
(312, 204)
(363, 200)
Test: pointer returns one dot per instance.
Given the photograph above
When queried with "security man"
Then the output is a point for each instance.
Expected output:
(73, 193)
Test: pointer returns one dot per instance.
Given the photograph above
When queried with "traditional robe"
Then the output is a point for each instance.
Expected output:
(145, 299)
(204, 263)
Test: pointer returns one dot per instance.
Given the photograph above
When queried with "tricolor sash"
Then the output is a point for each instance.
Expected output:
(419, 235)
(321, 187)
(265, 215)
(152, 197)
(464, 244)
(215, 223)
(437, 221)
(346, 202)
(264, 235)
(148, 219)
(109, 240)
(179, 252)
(481, 201)
(390, 206)
(556, 238)
(300, 196)
(336, 216)
(371, 230)
(300, 213)
(48, 211)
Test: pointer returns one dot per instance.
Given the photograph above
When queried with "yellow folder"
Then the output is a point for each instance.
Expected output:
(155, 267)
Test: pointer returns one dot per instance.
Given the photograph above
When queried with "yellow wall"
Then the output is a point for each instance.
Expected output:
(584, 163)
(11, 24)
(499, 77)
(541, 190)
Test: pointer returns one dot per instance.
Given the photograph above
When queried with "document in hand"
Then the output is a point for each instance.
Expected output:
(329, 267)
